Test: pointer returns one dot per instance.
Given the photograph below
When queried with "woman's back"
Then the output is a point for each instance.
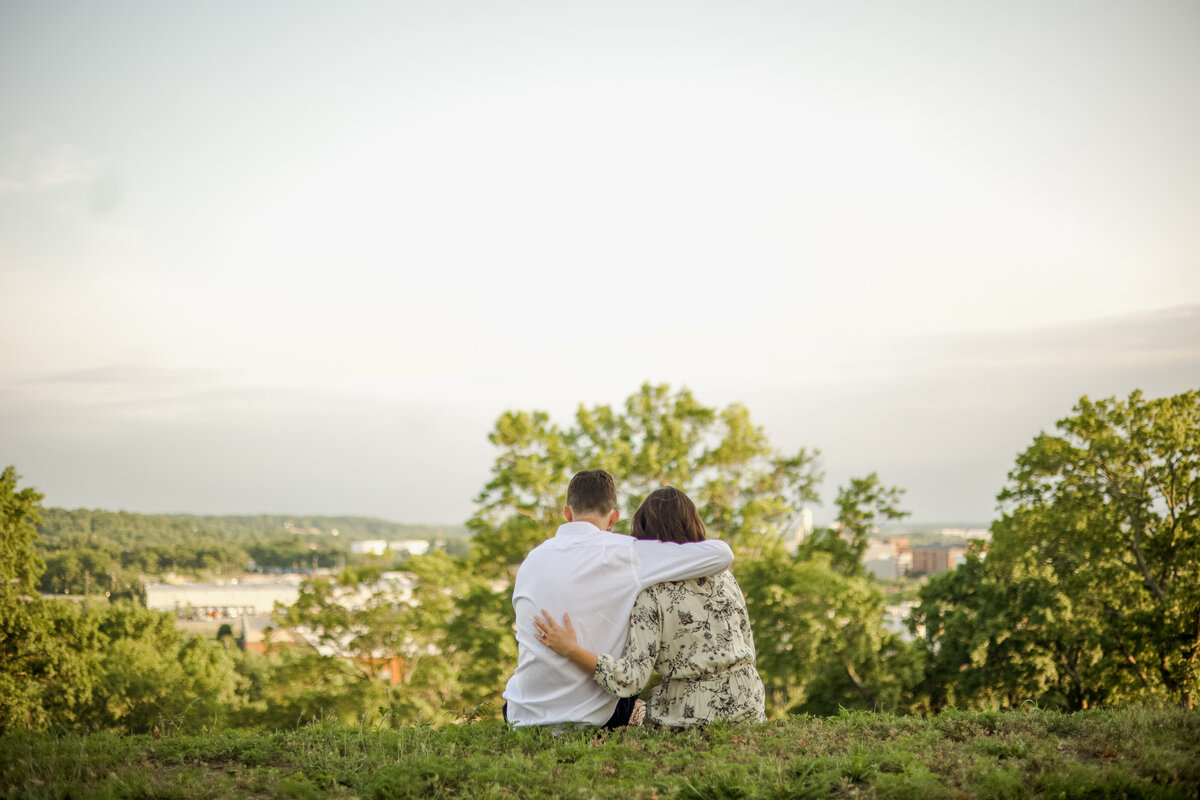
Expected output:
(696, 634)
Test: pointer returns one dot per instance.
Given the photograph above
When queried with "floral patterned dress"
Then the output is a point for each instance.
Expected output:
(696, 633)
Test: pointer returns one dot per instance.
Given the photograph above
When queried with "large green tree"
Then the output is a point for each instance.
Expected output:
(152, 674)
(1090, 591)
(745, 490)
(439, 630)
(818, 616)
(862, 504)
(118, 667)
(20, 511)
(820, 637)
(45, 671)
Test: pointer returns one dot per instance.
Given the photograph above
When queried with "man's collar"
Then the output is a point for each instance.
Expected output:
(578, 528)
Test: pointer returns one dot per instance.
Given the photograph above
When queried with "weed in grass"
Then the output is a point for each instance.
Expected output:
(716, 788)
(1060, 724)
(298, 788)
(914, 783)
(957, 726)
(1002, 748)
(132, 785)
(990, 781)
(431, 777)
(1083, 782)
(988, 722)
(803, 779)
(858, 766)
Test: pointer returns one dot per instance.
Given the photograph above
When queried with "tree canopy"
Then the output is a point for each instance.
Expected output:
(743, 488)
(109, 666)
(1090, 590)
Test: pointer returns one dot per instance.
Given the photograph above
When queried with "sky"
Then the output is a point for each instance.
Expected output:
(290, 257)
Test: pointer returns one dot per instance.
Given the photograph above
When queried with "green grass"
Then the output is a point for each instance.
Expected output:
(1133, 753)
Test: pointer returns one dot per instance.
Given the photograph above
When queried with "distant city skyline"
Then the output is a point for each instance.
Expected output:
(293, 259)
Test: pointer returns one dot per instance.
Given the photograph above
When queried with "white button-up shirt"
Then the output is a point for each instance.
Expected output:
(594, 576)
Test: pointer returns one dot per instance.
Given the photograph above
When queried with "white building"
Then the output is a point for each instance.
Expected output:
(802, 530)
(220, 600)
(375, 547)
(231, 600)
(415, 547)
(968, 533)
(887, 560)
(895, 619)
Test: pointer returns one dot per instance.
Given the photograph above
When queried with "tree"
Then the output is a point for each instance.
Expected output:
(73, 665)
(862, 505)
(46, 666)
(1090, 592)
(360, 616)
(48, 663)
(1122, 483)
(998, 642)
(439, 630)
(819, 635)
(153, 674)
(20, 564)
(744, 489)
(292, 687)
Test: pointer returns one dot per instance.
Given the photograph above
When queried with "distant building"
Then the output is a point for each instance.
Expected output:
(968, 533)
(252, 635)
(887, 559)
(415, 547)
(802, 530)
(933, 558)
(375, 547)
(220, 600)
(895, 620)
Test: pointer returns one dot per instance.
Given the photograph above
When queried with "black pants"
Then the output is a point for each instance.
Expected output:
(619, 718)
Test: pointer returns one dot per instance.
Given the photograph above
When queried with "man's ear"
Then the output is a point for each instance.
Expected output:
(568, 514)
(613, 516)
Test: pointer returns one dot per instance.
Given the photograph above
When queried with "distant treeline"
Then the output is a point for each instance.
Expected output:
(90, 551)
(132, 530)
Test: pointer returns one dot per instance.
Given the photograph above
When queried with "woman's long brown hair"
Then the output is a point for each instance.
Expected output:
(668, 515)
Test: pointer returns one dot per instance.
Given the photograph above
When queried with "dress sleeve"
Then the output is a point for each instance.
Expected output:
(625, 677)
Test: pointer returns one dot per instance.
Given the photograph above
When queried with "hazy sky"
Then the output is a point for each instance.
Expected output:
(296, 257)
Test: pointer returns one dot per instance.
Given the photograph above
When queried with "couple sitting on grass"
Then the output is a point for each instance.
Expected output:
(662, 599)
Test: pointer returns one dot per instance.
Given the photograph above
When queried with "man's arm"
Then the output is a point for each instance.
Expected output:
(667, 561)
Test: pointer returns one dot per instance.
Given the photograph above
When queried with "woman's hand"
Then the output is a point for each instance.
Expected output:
(562, 640)
(559, 639)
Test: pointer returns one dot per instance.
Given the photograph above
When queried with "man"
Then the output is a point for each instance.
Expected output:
(594, 575)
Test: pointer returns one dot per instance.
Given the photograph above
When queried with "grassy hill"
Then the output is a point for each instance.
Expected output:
(1119, 753)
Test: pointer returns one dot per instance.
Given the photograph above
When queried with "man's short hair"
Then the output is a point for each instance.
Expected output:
(592, 490)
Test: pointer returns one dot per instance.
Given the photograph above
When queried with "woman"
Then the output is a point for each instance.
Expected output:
(696, 633)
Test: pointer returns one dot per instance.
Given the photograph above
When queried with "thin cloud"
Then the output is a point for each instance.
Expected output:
(1162, 337)
(129, 376)
(30, 163)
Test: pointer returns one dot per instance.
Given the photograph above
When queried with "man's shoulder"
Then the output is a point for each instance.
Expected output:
(570, 546)
(579, 549)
